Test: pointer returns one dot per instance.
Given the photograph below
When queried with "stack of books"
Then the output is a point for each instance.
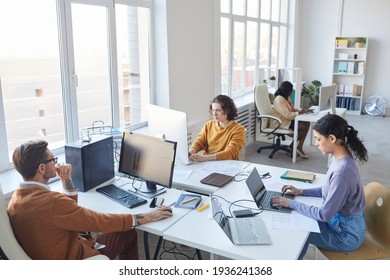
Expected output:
(341, 43)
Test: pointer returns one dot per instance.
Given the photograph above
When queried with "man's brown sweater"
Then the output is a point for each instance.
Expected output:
(47, 224)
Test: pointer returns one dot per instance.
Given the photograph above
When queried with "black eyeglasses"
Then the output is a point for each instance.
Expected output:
(55, 159)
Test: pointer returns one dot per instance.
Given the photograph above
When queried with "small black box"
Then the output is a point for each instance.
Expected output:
(92, 162)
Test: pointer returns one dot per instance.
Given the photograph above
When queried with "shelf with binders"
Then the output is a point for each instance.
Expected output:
(348, 73)
(348, 67)
(351, 103)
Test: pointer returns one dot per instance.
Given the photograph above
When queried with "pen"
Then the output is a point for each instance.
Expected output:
(173, 203)
(189, 200)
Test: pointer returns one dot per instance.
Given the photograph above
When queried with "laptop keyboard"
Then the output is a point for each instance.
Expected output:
(121, 196)
(268, 196)
(246, 232)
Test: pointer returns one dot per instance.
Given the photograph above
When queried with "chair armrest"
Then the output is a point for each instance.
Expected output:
(270, 117)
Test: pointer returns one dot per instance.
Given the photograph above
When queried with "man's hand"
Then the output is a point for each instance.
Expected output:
(64, 170)
(158, 213)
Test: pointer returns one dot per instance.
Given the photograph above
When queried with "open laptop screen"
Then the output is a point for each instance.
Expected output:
(256, 186)
(220, 217)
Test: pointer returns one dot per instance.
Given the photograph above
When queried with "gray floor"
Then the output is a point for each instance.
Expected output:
(375, 135)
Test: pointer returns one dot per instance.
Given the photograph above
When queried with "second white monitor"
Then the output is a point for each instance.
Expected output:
(327, 99)
(170, 125)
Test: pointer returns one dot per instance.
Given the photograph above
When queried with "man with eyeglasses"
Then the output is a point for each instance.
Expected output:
(47, 224)
(221, 138)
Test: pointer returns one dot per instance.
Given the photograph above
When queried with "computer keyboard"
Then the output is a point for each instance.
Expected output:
(121, 196)
(247, 232)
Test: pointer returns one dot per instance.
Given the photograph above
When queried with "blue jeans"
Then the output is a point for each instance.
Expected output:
(341, 233)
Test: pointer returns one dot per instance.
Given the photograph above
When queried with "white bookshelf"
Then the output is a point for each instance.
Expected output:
(349, 66)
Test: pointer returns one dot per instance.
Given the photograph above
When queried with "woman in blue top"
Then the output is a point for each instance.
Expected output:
(341, 216)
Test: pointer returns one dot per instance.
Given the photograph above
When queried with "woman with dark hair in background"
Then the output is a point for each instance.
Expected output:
(284, 110)
(221, 138)
(341, 216)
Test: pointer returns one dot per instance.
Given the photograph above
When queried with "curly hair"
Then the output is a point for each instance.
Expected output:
(227, 105)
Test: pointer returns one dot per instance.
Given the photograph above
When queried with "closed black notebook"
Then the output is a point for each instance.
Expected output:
(217, 179)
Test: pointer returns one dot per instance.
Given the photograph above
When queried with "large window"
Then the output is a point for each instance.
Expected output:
(65, 64)
(253, 36)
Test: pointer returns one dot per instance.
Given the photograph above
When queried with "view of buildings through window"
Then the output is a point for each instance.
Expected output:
(58, 76)
(253, 36)
(48, 97)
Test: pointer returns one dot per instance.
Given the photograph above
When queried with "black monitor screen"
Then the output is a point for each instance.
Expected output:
(149, 158)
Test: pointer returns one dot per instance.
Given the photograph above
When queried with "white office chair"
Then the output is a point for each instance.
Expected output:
(264, 108)
(9, 246)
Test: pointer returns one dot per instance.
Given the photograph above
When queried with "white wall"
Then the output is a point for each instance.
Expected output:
(189, 27)
(190, 67)
(321, 22)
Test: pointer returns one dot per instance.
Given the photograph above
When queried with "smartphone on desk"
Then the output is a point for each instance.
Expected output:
(243, 213)
(156, 201)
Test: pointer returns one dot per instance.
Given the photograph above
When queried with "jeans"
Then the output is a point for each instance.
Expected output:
(341, 233)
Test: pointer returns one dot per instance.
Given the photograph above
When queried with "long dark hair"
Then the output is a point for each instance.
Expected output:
(284, 89)
(336, 125)
(227, 105)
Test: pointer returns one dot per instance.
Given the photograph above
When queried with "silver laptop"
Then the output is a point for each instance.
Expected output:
(261, 196)
(241, 231)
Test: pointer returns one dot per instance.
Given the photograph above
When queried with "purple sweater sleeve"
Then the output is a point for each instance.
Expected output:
(342, 193)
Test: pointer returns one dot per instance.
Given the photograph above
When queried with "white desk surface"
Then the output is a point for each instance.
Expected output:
(99, 203)
(197, 230)
(312, 118)
(196, 173)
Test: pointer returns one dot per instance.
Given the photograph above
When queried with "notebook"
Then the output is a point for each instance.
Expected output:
(189, 201)
(241, 231)
(299, 176)
(262, 196)
(217, 179)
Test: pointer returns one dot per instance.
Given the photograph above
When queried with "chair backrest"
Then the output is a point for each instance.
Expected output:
(8, 242)
(377, 213)
(263, 103)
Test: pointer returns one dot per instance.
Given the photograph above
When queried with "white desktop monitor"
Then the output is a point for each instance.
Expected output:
(170, 125)
(327, 99)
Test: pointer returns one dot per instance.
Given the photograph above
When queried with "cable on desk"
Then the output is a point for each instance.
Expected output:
(266, 176)
(234, 203)
(240, 174)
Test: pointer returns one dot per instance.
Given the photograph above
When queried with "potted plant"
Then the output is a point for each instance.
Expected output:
(272, 80)
(310, 94)
(359, 42)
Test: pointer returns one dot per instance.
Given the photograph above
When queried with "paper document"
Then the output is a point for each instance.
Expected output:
(294, 221)
(181, 174)
(222, 166)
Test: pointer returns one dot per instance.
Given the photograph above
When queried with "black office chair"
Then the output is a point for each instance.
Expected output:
(264, 109)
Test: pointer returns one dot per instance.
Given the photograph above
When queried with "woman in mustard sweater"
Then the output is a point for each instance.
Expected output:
(221, 138)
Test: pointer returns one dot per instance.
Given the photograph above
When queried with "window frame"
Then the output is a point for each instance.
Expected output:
(246, 89)
(67, 79)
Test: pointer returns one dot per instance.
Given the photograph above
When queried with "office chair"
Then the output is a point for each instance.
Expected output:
(9, 246)
(264, 108)
(376, 244)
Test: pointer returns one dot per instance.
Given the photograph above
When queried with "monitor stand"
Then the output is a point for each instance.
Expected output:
(150, 191)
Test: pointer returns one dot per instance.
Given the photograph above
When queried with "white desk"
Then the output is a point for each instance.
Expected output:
(197, 230)
(312, 118)
(196, 173)
(99, 203)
